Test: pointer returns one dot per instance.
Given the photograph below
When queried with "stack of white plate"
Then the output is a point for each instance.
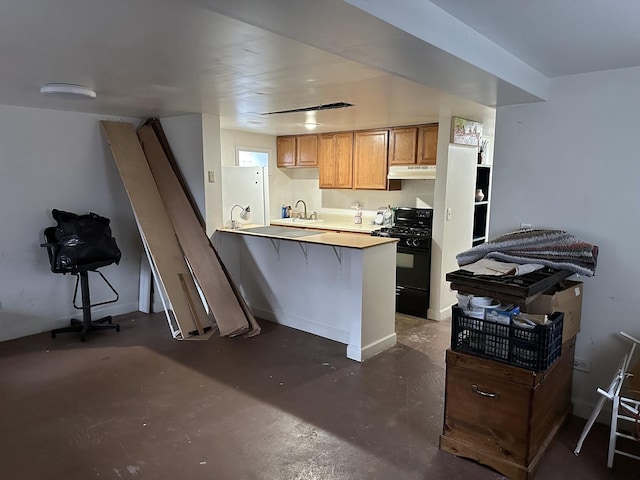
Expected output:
(473, 306)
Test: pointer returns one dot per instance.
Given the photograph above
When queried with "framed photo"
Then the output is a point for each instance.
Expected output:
(466, 132)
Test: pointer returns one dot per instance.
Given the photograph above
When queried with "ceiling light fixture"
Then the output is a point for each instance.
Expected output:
(310, 122)
(67, 90)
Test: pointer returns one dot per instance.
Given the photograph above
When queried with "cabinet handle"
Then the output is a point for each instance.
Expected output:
(484, 394)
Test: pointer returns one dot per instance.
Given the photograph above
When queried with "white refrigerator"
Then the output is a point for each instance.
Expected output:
(245, 186)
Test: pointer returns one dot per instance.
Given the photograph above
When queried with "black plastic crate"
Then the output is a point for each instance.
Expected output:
(535, 348)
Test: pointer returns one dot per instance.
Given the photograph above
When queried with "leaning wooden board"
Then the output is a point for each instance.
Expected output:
(213, 281)
(156, 225)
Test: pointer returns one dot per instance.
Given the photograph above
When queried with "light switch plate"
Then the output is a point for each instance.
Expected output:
(212, 176)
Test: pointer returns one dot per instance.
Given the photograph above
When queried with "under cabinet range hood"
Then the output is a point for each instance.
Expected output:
(412, 172)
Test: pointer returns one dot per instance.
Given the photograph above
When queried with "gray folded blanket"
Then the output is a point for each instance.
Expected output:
(551, 248)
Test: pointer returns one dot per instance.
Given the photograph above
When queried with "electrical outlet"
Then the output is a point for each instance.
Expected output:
(581, 364)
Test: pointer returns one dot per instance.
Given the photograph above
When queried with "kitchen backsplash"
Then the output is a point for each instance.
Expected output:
(414, 193)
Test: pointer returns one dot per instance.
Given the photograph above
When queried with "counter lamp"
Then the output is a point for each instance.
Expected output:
(244, 214)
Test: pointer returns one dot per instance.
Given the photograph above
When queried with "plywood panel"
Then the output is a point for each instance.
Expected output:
(154, 222)
(217, 290)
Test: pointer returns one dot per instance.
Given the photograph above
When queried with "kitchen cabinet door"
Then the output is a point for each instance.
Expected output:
(370, 159)
(344, 160)
(286, 151)
(297, 151)
(326, 168)
(307, 151)
(335, 160)
(403, 144)
(427, 144)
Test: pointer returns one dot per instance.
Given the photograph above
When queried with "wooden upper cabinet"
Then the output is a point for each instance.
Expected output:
(286, 151)
(427, 144)
(343, 162)
(297, 151)
(370, 159)
(360, 159)
(413, 145)
(403, 146)
(326, 167)
(335, 160)
(307, 151)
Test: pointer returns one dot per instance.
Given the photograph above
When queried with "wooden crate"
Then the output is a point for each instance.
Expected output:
(508, 289)
(504, 416)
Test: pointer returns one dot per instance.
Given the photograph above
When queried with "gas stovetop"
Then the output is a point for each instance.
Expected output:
(416, 237)
(399, 231)
(412, 227)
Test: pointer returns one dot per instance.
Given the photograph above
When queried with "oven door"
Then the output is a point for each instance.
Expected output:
(412, 301)
(413, 268)
(413, 276)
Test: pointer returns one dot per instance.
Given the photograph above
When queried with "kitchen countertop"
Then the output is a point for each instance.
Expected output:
(314, 235)
(342, 223)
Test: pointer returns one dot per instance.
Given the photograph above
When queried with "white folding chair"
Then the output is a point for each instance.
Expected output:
(623, 408)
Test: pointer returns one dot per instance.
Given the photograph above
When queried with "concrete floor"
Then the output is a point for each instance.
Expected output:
(282, 405)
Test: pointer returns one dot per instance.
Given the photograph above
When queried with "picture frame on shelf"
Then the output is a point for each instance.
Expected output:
(466, 132)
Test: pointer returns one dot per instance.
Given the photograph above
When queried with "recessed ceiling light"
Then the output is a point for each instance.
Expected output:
(310, 125)
(67, 90)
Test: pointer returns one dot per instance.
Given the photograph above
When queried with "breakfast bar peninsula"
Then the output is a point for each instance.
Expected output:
(340, 286)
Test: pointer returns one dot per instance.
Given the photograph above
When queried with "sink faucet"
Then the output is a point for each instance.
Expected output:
(304, 217)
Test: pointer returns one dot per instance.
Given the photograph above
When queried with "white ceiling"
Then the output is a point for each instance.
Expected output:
(242, 58)
(557, 37)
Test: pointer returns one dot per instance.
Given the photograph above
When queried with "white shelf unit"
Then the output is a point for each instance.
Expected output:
(481, 208)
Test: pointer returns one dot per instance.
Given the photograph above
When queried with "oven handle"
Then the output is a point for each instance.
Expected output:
(413, 251)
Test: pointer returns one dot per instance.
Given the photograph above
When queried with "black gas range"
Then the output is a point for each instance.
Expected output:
(412, 226)
(412, 237)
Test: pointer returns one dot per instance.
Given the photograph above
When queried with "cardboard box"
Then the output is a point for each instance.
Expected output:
(564, 297)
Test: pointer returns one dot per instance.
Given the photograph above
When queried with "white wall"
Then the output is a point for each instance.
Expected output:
(54, 159)
(572, 163)
(184, 134)
(211, 162)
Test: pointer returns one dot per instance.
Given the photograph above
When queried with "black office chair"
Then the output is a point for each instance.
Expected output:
(69, 249)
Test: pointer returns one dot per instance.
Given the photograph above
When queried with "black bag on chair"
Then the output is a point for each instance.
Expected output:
(83, 241)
